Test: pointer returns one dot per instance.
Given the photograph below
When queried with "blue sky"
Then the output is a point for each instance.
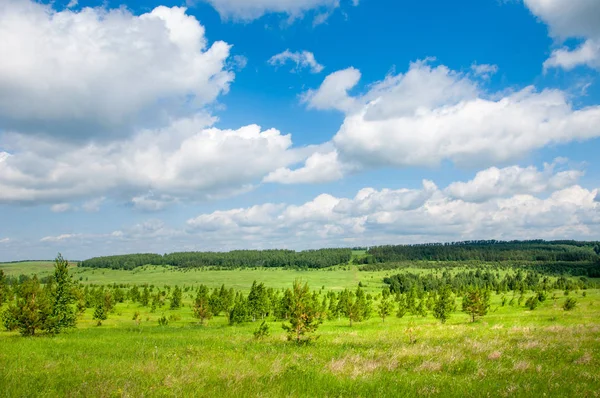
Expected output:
(159, 126)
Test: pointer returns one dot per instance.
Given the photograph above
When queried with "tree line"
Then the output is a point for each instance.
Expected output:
(234, 259)
(488, 251)
(462, 281)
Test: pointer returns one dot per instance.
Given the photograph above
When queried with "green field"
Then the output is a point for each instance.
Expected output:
(336, 278)
(511, 351)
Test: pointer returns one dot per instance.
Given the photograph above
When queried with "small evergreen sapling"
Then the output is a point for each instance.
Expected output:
(305, 316)
(476, 303)
(100, 313)
(29, 313)
(402, 306)
(532, 303)
(62, 297)
(176, 298)
(386, 306)
(570, 304)
(262, 331)
(201, 307)
(444, 304)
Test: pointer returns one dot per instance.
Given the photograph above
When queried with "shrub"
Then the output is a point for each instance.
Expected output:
(262, 331)
(570, 304)
(532, 303)
(100, 314)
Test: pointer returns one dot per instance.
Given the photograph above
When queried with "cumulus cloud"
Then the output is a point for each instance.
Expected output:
(588, 53)
(318, 168)
(333, 93)
(579, 19)
(556, 210)
(432, 114)
(150, 202)
(61, 207)
(59, 238)
(186, 160)
(97, 72)
(301, 59)
(93, 205)
(485, 71)
(494, 182)
(406, 216)
(247, 10)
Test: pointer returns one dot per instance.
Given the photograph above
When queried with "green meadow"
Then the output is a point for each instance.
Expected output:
(511, 351)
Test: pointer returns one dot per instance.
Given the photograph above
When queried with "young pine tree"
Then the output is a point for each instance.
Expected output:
(155, 302)
(476, 303)
(176, 298)
(532, 303)
(134, 294)
(444, 304)
(258, 301)
(202, 308)
(284, 306)
(240, 311)
(62, 297)
(214, 301)
(30, 310)
(145, 298)
(100, 313)
(305, 316)
(402, 305)
(332, 311)
(262, 331)
(362, 306)
(421, 309)
(385, 307)
(344, 304)
(570, 304)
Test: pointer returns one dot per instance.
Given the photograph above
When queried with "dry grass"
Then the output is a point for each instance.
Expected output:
(522, 366)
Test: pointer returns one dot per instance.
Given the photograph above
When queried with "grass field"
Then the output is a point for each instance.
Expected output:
(336, 278)
(510, 352)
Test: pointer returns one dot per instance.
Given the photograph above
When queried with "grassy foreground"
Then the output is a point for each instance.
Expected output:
(510, 352)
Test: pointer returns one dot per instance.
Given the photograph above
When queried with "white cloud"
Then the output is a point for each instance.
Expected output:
(588, 53)
(578, 19)
(302, 59)
(240, 62)
(513, 180)
(93, 205)
(333, 93)
(59, 238)
(485, 71)
(187, 160)
(404, 216)
(568, 18)
(319, 168)
(61, 207)
(255, 216)
(432, 114)
(150, 202)
(96, 72)
(557, 210)
(247, 10)
(4, 240)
